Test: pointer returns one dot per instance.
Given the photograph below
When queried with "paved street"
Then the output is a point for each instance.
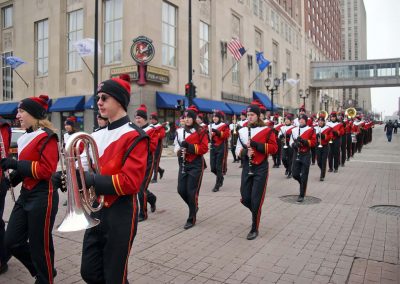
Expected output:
(338, 240)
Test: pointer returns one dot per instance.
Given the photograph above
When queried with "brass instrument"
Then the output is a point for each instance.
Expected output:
(7, 172)
(319, 114)
(234, 124)
(320, 138)
(183, 151)
(351, 112)
(286, 129)
(250, 173)
(80, 200)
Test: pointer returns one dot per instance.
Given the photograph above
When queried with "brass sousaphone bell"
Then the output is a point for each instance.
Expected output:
(351, 112)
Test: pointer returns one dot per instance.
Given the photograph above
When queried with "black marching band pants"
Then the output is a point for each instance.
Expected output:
(343, 145)
(106, 247)
(360, 139)
(3, 193)
(189, 183)
(157, 157)
(313, 155)
(144, 194)
(28, 236)
(277, 157)
(301, 167)
(287, 158)
(253, 188)
(217, 160)
(348, 145)
(322, 157)
(234, 139)
(334, 153)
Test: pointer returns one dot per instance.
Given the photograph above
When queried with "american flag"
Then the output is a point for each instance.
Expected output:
(236, 48)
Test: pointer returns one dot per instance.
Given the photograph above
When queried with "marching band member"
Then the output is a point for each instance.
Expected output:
(28, 236)
(191, 144)
(70, 128)
(234, 129)
(343, 138)
(277, 127)
(324, 135)
(287, 152)
(356, 134)
(5, 132)
(313, 122)
(102, 122)
(157, 156)
(254, 145)
(242, 123)
(360, 138)
(219, 138)
(349, 124)
(145, 195)
(334, 144)
(302, 111)
(302, 139)
(123, 154)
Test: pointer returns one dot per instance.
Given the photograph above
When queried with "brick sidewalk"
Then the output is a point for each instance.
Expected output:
(339, 240)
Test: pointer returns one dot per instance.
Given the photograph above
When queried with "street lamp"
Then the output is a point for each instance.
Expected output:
(304, 95)
(272, 88)
(325, 100)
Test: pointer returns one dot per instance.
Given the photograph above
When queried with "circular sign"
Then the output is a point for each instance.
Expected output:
(142, 50)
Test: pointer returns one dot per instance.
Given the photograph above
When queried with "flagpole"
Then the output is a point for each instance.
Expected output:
(84, 62)
(252, 82)
(230, 69)
(27, 85)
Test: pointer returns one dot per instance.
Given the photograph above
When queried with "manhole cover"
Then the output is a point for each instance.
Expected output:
(293, 199)
(387, 209)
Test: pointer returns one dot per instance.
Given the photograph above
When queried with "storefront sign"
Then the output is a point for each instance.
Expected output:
(142, 50)
(131, 70)
(158, 75)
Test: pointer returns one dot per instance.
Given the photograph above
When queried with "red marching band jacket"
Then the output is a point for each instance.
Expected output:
(264, 136)
(325, 131)
(37, 156)
(197, 140)
(348, 124)
(223, 136)
(286, 132)
(153, 134)
(307, 133)
(5, 131)
(336, 127)
(160, 131)
(356, 128)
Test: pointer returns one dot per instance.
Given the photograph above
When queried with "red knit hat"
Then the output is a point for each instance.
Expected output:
(125, 77)
(142, 111)
(220, 114)
(70, 121)
(117, 88)
(154, 116)
(191, 112)
(333, 113)
(36, 106)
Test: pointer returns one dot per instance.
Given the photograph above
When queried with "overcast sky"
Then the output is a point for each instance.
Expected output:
(383, 24)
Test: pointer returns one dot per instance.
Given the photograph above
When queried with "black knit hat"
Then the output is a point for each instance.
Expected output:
(117, 88)
(303, 116)
(35, 106)
(254, 108)
(191, 112)
(142, 112)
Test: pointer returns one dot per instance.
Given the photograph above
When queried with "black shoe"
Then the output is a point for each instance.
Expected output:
(313, 164)
(277, 166)
(300, 199)
(252, 235)
(153, 181)
(141, 219)
(289, 175)
(321, 179)
(54, 276)
(153, 206)
(3, 268)
(286, 172)
(221, 181)
(241, 166)
(216, 188)
(330, 170)
(65, 203)
(188, 225)
(335, 171)
(161, 173)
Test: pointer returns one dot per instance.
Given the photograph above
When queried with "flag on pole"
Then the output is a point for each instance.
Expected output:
(261, 61)
(293, 82)
(236, 49)
(85, 47)
(14, 61)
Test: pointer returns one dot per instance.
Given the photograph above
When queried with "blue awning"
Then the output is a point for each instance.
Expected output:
(90, 103)
(68, 104)
(236, 108)
(8, 108)
(211, 106)
(167, 100)
(264, 99)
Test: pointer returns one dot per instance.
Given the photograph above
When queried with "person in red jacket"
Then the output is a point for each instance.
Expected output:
(287, 151)
(123, 154)
(157, 155)
(146, 195)
(255, 143)
(334, 144)
(191, 143)
(324, 135)
(302, 140)
(28, 237)
(219, 148)
(5, 132)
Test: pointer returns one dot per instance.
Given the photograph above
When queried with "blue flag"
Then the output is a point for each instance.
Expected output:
(261, 61)
(14, 61)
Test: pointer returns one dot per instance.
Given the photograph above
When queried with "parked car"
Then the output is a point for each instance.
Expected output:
(15, 134)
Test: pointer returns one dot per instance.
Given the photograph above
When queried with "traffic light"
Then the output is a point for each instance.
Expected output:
(190, 90)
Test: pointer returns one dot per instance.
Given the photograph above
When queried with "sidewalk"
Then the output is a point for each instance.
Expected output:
(338, 240)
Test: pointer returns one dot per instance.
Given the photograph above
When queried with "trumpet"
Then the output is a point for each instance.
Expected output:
(7, 172)
(286, 146)
(80, 200)
(320, 138)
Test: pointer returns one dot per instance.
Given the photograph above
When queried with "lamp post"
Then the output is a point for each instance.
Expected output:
(304, 95)
(272, 88)
(96, 63)
(325, 100)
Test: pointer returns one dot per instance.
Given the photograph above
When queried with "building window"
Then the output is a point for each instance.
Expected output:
(42, 47)
(235, 34)
(275, 59)
(7, 78)
(113, 11)
(169, 23)
(204, 48)
(75, 33)
(258, 45)
(7, 14)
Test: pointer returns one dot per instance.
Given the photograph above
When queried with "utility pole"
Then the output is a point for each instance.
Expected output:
(96, 63)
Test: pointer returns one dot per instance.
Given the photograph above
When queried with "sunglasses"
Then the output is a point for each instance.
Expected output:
(103, 98)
